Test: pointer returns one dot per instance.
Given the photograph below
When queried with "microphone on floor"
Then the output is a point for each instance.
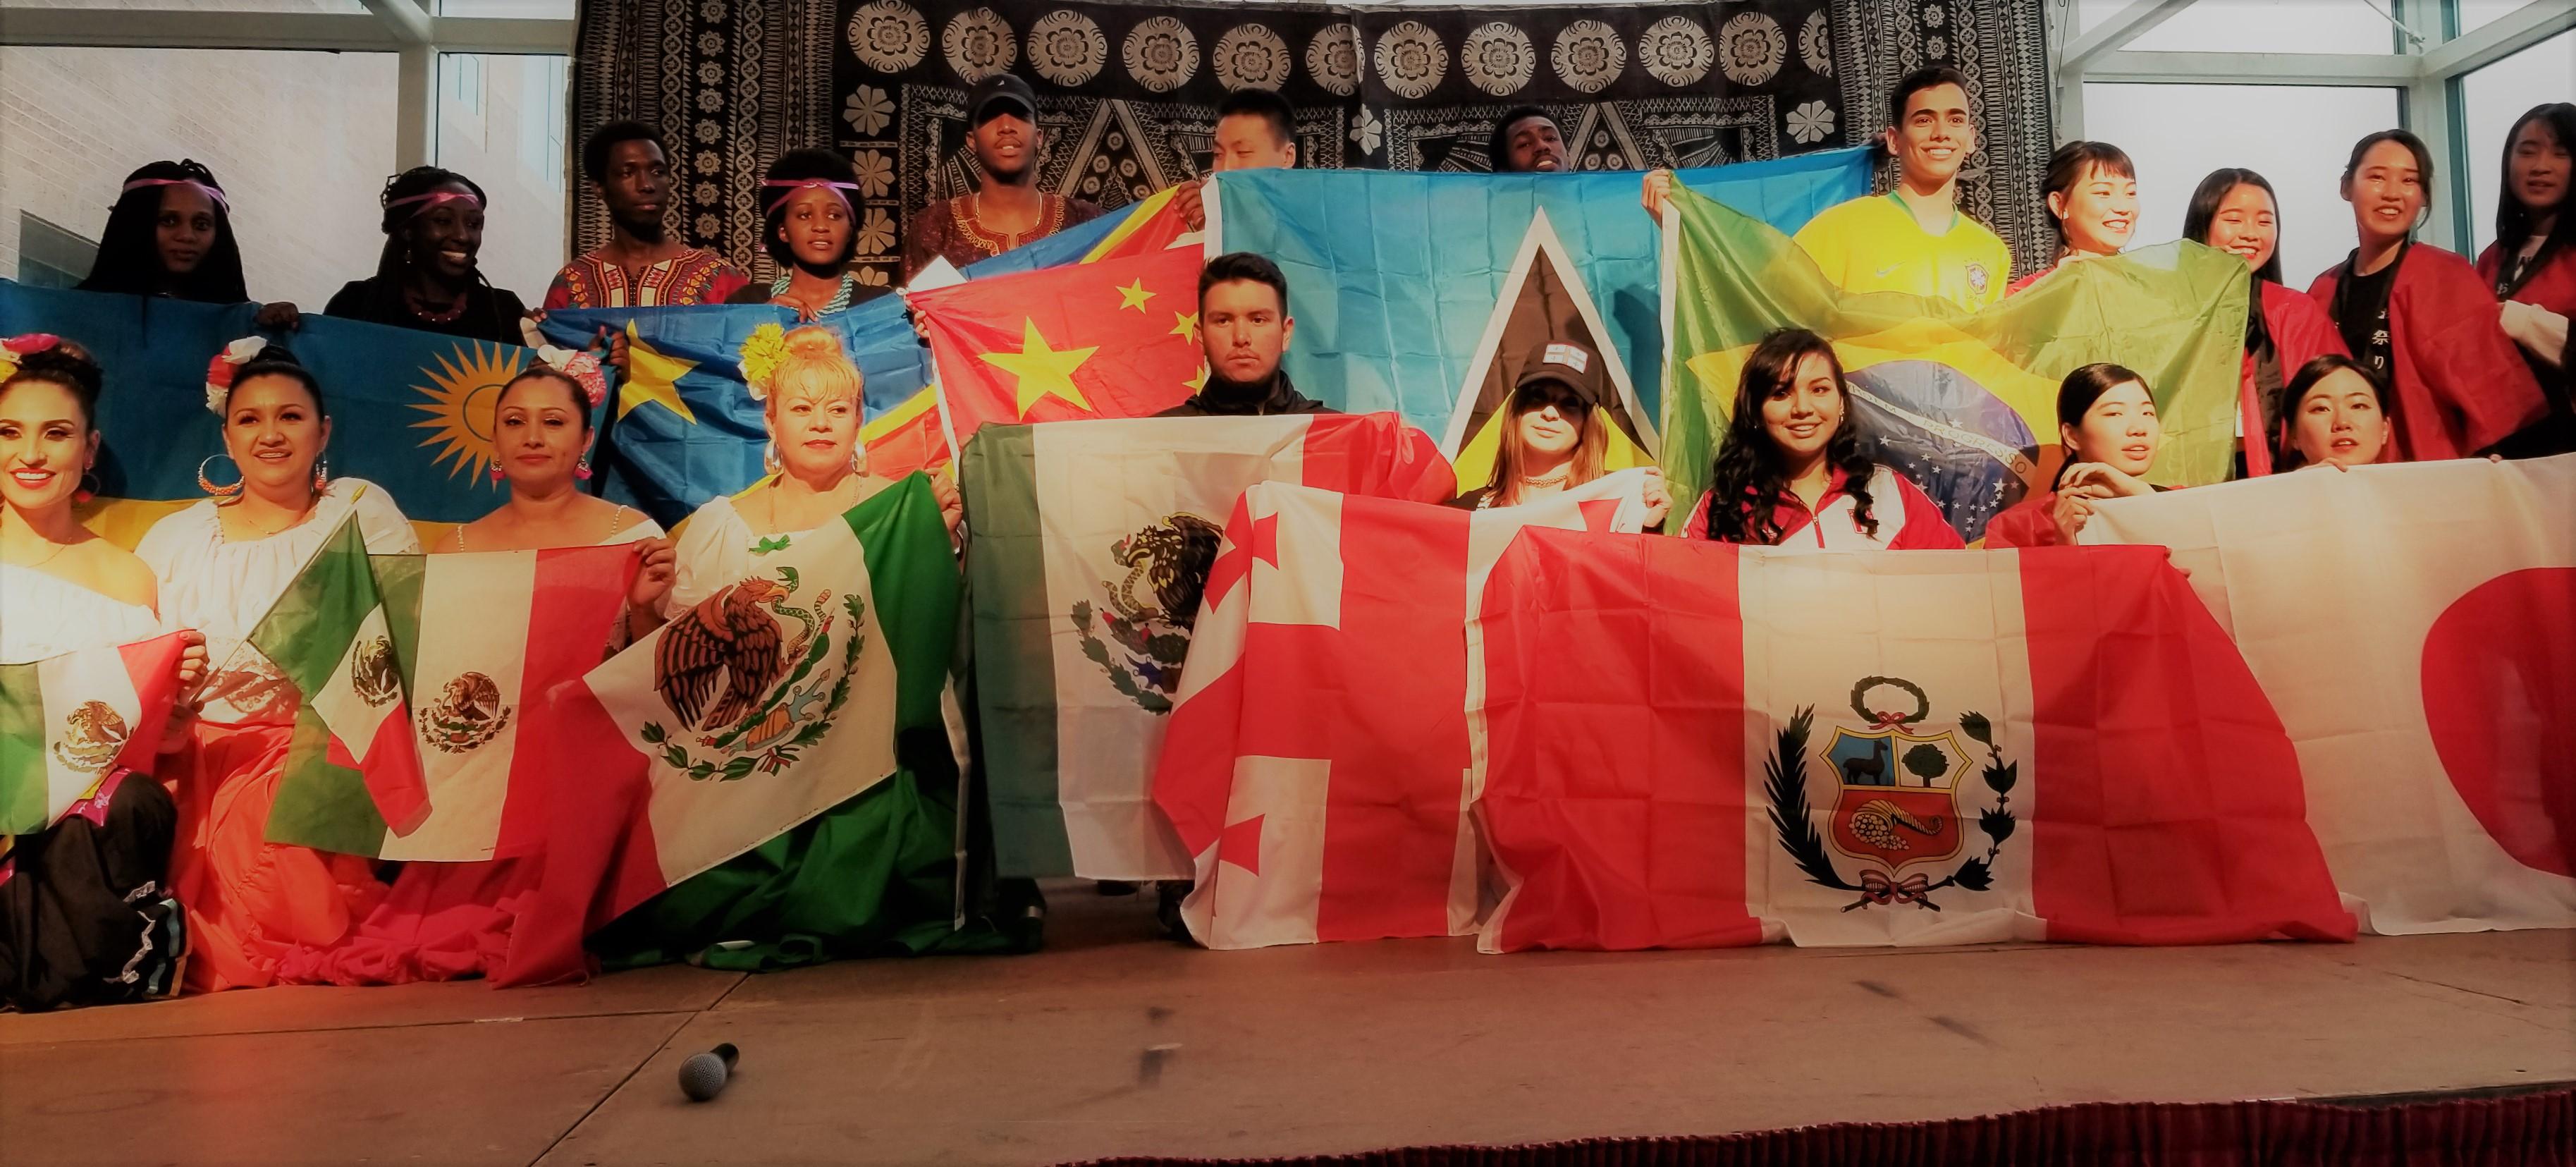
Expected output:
(704, 1075)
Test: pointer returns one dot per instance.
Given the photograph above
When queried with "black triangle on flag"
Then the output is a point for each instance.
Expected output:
(1542, 301)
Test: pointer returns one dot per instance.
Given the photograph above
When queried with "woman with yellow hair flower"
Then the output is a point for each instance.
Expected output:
(874, 873)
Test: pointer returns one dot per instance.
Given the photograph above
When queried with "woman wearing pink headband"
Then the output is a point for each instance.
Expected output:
(170, 233)
(811, 230)
(426, 279)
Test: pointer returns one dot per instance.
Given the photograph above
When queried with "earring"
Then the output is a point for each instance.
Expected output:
(321, 475)
(581, 469)
(769, 456)
(86, 491)
(208, 485)
(496, 468)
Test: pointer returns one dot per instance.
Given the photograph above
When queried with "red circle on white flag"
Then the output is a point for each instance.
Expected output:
(2500, 702)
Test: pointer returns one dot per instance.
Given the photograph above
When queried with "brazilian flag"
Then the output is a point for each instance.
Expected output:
(1964, 404)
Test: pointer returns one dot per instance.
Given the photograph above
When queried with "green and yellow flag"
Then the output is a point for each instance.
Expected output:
(1962, 403)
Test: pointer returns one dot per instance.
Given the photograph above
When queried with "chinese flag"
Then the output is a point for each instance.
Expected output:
(1115, 338)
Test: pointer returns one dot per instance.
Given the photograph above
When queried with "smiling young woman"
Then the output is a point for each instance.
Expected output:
(2234, 211)
(2531, 266)
(427, 277)
(1790, 471)
(81, 918)
(2419, 316)
(221, 565)
(2091, 190)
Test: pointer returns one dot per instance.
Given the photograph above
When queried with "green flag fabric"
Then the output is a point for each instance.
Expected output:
(1962, 403)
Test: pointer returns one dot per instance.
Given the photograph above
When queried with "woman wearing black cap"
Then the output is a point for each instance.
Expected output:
(1556, 439)
(1006, 209)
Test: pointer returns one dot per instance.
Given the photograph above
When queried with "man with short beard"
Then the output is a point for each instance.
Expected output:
(1007, 210)
(1245, 328)
(642, 265)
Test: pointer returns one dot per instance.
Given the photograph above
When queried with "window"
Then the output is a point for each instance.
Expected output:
(521, 169)
(2304, 166)
(2491, 100)
(50, 257)
(2257, 26)
(460, 98)
(302, 146)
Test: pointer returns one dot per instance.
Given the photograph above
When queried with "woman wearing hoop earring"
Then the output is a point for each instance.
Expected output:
(798, 885)
(221, 564)
(84, 919)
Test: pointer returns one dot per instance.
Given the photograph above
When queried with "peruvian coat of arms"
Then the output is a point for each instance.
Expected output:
(1897, 815)
(747, 675)
(1143, 640)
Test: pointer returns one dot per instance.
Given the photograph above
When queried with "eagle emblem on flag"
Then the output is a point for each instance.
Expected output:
(750, 672)
(1152, 635)
(372, 672)
(93, 735)
(468, 713)
(1897, 801)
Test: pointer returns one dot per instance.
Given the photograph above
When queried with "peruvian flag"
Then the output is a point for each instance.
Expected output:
(1693, 745)
(1319, 761)
(2415, 625)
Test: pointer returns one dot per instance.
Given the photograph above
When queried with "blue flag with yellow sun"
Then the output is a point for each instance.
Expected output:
(410, 411)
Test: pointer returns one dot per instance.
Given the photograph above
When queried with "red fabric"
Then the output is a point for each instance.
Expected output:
(2174, 811)
(919, 443)
(2163, 796)
(2499, 671)
(2300, 333)
(152, 667)
(389, 767)
(1924, 527)
(2552, 287)
(2460, 381)
(250, 903)
(1143, 356)
(2531, 1130)
(1646, 636)
(2029, 523)
(1375, 454)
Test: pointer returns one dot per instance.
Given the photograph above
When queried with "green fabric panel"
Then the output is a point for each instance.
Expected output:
(22, 751)
(1014, 656)
(309, 628)
(321, 805)
(398, 584)
(912, 568)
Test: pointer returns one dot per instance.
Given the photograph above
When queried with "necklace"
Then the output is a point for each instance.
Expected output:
(1556, 479)
(413, 301)
(265, 532)
(48, 557)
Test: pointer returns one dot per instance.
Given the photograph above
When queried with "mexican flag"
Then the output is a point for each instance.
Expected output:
(352, 777)
(2425, 667)
(1321, 762)
(1113, 338)
(778, 697)
(1088, 543)
(1693, 745)
(1963, 404)
(67, 722)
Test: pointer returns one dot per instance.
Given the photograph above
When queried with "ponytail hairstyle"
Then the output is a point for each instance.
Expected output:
(129, 247)
(38, 359)
(2285, 454)
(2069, 165)
(2078, 392)
(2414, 145)
(1751, 477)
(2198, 218)
(2513, 220)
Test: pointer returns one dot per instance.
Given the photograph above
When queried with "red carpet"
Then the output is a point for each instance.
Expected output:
(2529, 1130)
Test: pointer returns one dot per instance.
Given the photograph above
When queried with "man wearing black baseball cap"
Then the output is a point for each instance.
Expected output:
(1006, 209)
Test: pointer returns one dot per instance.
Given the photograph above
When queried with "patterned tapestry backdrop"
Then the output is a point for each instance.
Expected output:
(1128, 91)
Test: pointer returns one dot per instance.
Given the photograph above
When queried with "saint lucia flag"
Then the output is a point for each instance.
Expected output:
(1963, 404)
(1393, 276)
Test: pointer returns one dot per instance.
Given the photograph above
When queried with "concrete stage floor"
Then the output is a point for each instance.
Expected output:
(1114, 1042)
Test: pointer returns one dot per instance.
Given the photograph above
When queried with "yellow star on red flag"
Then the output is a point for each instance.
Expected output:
(1042, 370)
(1185, 324)
(1134, 295)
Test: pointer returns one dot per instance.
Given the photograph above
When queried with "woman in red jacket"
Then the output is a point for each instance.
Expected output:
(2415, 314)
(2234, 211)
(1792, 470)
(2531, 266)
(2106, 421)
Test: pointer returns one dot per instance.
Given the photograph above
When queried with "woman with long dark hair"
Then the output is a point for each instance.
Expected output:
(2235, 211)
(426, 278)
(2091, 190)
(811, 230)
(2106, 423)
(2417, 315)
(1790, 471)
(2531, 266)
(170, 233)
(2339, 416)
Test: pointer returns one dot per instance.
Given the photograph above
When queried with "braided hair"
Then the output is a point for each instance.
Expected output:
(129, 247)
(1751, 477)
(384, 293)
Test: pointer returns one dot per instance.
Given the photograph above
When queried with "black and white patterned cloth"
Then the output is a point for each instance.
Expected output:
(1127, 92)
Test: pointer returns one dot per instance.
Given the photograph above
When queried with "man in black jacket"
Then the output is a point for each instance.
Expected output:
(1245, 327)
